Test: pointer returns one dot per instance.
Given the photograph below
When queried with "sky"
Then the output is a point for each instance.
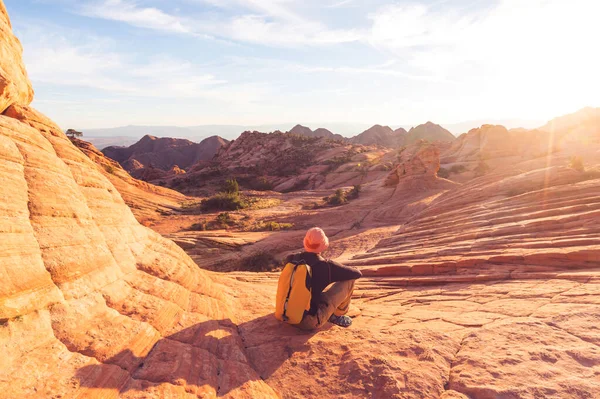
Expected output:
(107, 63)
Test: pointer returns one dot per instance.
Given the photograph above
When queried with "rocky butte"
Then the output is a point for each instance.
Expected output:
(484, 286)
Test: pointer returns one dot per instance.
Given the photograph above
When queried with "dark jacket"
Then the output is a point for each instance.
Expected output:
(324, 272)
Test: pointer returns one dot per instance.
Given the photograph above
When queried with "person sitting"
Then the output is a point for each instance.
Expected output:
(327, 304)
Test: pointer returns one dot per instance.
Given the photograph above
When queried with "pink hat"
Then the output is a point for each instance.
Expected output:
(316, 241)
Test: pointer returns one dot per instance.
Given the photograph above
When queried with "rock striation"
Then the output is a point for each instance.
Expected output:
(483, 290)
(147, 201)
(15, 87)
(284, 162)
(421, 160)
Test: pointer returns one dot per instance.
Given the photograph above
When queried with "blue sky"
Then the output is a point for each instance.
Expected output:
(104, 63)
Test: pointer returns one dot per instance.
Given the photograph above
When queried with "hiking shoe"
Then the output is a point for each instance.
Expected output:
(342, 321)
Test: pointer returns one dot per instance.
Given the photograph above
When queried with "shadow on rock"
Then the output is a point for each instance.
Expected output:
(215, 357)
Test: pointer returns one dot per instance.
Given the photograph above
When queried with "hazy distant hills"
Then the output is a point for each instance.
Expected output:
(320, 132)
(117, 135)
(128, 135)
(381, 135)
(164, 153)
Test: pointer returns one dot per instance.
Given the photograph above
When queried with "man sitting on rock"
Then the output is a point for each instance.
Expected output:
(329, 304)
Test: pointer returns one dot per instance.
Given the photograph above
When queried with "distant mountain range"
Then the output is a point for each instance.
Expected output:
(127, 135)
(164, 153)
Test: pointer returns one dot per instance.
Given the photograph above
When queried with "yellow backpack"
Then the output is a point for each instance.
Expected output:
(293, 292)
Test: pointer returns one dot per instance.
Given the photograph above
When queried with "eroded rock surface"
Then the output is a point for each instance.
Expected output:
(15, 87)
(482, 292)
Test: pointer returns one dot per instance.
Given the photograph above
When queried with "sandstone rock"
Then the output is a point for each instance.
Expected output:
(420, 160)
(15, 87)
(284, 163)
(503, 301)
(147, 201)
(526, 360)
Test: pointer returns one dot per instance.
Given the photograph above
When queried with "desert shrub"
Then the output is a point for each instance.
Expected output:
(260, 262)
(354, 192)
(109, 168)
(576, 162)
(224, 202)
(261, 184)
(230, 186)
(272, 226)
(223, 220)
(339, 198)
(262, 202)
(443, 173)
(481, 169)
(312, 205)
(201, 226)
(457, 169)
(298, 139)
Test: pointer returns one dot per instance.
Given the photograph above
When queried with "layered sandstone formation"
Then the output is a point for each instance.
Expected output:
(88, 296)
(147, 201)
(421, 160)
(15, 87)
(487, 289)
(284, 162)
(571, 135)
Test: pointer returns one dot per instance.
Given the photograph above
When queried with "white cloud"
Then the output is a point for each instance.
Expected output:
(267, 22)
(530, 56)
(341, 3)
(257, 29)
(129, 12)
(54, 59)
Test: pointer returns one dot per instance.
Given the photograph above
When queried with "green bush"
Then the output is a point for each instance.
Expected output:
(230, 186)
(273, 226)
(224, 202)
(339, 198)
(443, 173)
(224, 220)
(576, 163)
(260, 262)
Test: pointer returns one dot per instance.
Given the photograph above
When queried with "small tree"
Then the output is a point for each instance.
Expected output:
(72, 133)
(339, 198)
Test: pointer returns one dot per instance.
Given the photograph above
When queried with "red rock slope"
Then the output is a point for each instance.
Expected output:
(147, 201)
